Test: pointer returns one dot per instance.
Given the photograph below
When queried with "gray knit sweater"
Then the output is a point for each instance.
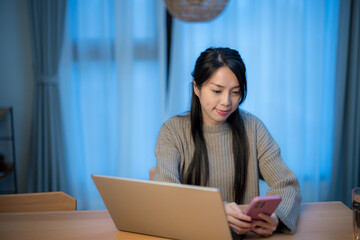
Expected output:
(175, 147)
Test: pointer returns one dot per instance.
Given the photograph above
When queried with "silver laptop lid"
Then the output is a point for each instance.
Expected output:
(164, 209)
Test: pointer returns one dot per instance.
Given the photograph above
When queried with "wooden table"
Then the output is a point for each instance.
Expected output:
(323, 220)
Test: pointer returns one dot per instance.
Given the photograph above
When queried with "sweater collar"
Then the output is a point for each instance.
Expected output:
(217, 129)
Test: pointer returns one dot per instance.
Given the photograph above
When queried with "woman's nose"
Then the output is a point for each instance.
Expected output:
(225, 99)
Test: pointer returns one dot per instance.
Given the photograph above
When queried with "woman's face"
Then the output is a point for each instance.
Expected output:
(219, 96)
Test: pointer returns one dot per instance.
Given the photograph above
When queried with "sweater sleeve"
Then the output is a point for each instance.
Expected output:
(167, 155)
(281, 180)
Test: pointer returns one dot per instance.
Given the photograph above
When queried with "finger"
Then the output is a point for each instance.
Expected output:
(234, 210)
(268, 219)
(238, 226)
(234, 207)
(262, 231)
(272, 220)
(239, 223)
(265, 226)
(240, 230)
(237, 220)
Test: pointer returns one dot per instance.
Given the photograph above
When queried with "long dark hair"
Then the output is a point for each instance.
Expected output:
(198, 172)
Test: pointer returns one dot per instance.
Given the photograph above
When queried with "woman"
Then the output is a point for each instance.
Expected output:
(218, 145)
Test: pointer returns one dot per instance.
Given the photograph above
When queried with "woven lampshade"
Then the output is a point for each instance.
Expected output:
(195, 10)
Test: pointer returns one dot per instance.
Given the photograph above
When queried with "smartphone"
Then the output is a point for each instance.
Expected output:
(262, 204)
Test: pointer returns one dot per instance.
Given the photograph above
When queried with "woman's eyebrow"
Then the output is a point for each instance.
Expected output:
(220, 86)
(217, 85)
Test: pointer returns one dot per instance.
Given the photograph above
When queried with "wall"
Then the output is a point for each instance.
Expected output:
(16, 78)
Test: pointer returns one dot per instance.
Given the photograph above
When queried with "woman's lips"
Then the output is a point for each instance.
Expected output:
(222, 112)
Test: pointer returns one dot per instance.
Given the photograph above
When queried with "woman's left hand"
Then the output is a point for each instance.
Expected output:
(267, 226)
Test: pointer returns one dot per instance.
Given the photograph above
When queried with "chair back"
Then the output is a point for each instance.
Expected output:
(152, 173)
(37, 202)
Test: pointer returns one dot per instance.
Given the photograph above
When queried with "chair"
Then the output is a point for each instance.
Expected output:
(152, 174)
(37, 202)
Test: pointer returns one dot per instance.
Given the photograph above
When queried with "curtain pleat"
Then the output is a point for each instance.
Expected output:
(346, 157)
(46, 171)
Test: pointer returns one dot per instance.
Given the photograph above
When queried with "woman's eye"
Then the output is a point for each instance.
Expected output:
(216, 91)
(236, 92)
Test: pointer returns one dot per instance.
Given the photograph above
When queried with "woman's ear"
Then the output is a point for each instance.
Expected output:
(196, 89)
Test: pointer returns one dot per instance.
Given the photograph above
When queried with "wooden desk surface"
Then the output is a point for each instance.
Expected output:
(323, 220)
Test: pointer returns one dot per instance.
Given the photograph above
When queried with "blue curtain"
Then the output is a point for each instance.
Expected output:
(346, 165)
(113, 83)
(47, 170)
(289, 48)
(111, 90)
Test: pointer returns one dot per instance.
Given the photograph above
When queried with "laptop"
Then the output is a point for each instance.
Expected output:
(164, 209)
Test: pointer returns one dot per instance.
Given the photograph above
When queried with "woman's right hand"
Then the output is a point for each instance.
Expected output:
(238, 221)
